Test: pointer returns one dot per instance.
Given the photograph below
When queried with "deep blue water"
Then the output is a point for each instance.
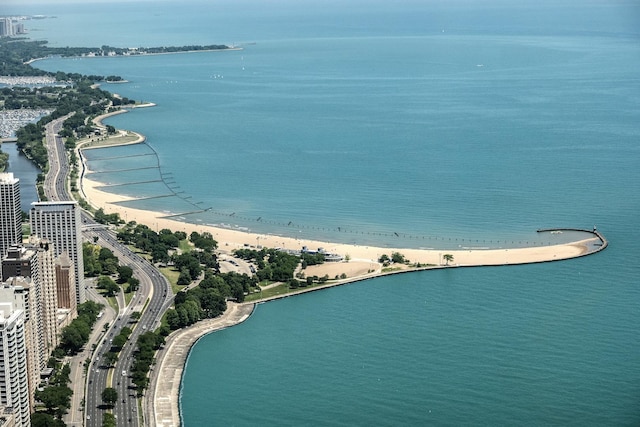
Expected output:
(433, 120)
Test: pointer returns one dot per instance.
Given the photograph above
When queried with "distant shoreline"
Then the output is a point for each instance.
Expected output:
(163, 400)
(229, 48)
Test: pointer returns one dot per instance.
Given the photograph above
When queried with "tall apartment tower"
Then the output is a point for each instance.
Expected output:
(35, 261)
(65, 284)
(14, 384)
(59, 223)
(20, 291)
(6, 27)
(10, 212)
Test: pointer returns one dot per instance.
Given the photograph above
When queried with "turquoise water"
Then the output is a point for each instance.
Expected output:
(374, 126)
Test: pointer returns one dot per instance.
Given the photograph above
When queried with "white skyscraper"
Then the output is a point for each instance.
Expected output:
(6, 27)
(14, 384)
(10, 212)
(22, 294)
(60, 222)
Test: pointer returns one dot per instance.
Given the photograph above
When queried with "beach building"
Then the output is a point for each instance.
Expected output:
(14, 384)
(10, 212)
(60, 222)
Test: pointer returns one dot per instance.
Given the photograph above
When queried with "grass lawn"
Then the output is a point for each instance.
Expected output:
(185, 246)
(172, 276)
(128, 296)
(113, 303)
(281, 289)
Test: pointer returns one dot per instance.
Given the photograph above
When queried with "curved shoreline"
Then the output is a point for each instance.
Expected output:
(162, 403)
(228, 48)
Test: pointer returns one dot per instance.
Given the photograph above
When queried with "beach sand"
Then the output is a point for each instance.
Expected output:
(161, 404)
(229, 240)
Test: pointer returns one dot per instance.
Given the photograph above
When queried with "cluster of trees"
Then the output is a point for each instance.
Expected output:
(104, 218)
(54, 97)
(273, 265)
(81, 98)
(55, 397)
(107, 284)
(108, 419)
(105, 49)
(17, 97)
(311, 259)
(16, 52)
(208, 299)
(162, 247)
(204, 241)
(30, 141)
(125, 275)
(147, 345)
(147, 240)
(111, 357)
(109, 397)
(4, 161)
(396, 258)
(98, 260)
(75, 335)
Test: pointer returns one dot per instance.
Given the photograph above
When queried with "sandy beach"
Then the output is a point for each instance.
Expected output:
(229, 240)
(162, 402)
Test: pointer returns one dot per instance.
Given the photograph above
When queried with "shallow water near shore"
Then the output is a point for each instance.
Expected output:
(380, 128)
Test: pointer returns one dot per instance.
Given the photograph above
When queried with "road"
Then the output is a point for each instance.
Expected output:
(152, 298)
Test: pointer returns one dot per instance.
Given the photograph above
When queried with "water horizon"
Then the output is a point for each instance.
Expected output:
(435, 120)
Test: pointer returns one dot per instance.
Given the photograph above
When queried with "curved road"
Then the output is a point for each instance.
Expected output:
(153, 297)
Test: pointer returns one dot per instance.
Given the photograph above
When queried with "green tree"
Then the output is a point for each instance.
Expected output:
(184, 278)
(71, 339)
(57, 399)
(134, 284)
(118, 342)
(108, 420)
(448, 258)
(124, 273)
(109, 396)
(111, 288)
(110, 358)
(397, 257)
(42, 419)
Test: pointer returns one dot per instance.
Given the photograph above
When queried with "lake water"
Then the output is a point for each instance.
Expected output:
(403, 125)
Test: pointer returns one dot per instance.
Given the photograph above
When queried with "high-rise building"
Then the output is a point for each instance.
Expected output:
(6, 27)
(35, 261)
(20, 291)
(48, 292)
(59, 223)
(65, 283)
(10, 212)
(14, 384)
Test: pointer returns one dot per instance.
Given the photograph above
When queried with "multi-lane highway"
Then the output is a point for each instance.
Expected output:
(152, 298)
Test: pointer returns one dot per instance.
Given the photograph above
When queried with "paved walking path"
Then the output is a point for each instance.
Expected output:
(161, 401)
